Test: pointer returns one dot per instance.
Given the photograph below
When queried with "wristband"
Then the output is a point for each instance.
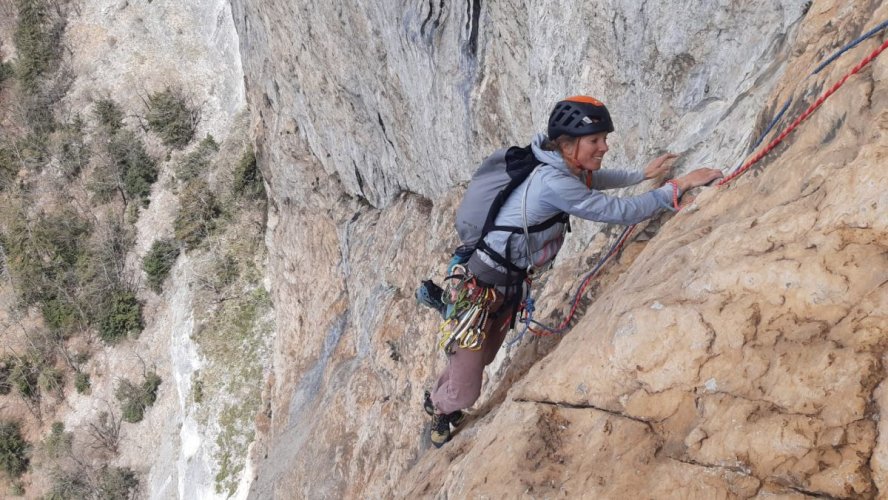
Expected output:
(674, 194)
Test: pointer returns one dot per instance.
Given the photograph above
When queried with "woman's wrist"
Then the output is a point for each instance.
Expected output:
(681, 184)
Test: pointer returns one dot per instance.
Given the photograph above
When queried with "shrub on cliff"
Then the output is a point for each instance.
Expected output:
(37, 38)
(42, 251)
(58, 443)
(7, 71)
(6, 366)
(170, 117)
(13, 450)
(116, 483)
(82, 383)
(197, 161)
(37, 42)
(248, 177)
(23, 377)
(108, 114)
(70, 148)
(108, 483)
(133, 168)
(159, 261)
(135, 399)
(121, 315)
(9, 167)
(198, 211)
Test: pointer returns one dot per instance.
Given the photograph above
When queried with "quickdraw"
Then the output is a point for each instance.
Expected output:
(468, 314)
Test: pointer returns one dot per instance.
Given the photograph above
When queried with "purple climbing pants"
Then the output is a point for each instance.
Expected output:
(460, 384)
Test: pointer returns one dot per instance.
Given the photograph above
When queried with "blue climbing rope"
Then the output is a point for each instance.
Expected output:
(529, 303)
(849, 46)
(767, 130)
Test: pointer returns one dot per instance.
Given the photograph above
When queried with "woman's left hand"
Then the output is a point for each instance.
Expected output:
(659, 166)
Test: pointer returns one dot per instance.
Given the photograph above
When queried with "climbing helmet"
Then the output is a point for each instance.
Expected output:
(578, 116)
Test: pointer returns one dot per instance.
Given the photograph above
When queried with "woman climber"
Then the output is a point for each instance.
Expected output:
(528, 231)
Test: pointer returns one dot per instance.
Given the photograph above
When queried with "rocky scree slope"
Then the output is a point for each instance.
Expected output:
(737, 354)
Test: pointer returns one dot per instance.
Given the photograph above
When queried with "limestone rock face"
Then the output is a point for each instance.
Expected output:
(736, 353)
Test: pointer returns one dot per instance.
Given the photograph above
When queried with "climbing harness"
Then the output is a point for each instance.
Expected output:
(528, 307)
(464, 325)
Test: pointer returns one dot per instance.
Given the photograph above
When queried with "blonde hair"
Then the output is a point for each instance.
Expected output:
(559, 144)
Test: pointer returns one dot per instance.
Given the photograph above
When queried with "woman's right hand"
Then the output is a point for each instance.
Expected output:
(699, 177)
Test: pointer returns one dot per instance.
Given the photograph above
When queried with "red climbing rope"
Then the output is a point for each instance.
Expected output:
(761, 154)
(543, 330)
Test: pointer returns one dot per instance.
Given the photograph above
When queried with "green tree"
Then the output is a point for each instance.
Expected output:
(121, 315)
(13, 449)
(135, 399)
(198, 211)
(170, 117)
(248, 177)
(159, 261)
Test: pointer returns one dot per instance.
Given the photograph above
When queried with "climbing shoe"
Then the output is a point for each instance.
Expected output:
(427, 404)
(429, 295)
(440, 430)
(456, 418)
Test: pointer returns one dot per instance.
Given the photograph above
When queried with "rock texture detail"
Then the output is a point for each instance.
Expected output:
(737, 353)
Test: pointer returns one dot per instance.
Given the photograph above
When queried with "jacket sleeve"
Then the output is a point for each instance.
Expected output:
(568, 194)
(611, 179)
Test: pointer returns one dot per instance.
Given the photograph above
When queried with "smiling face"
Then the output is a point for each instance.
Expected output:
(588, 152)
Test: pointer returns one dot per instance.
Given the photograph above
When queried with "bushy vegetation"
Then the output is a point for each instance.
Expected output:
(116, 483)
(9, 167)
(50, 379)
(135, 399)
(101, 271)
(109, 483)
(105, 432)
(159, 261)
(13, 450)
(17, 489)
(70, 147)
(197, 161)
(81, 383)
(37, 39)
(133, 169)
(170, 117)
(59, 442)
(248, 177)
(37, 42)
(108, 114)
(5, 371)
(127, 168)
(76, 277)
(41, 253)
(7, 71)
(23, 377)
(121, 315)
(198, 211)
(68, 485)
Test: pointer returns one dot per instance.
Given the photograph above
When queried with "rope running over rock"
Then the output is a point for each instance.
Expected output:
(544, 330)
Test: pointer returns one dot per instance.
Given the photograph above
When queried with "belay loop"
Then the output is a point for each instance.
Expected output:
(468, 311)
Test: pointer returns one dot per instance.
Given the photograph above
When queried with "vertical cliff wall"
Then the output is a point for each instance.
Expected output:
(711, 367)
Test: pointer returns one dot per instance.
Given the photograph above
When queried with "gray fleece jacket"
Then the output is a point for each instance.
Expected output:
(553, 189)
